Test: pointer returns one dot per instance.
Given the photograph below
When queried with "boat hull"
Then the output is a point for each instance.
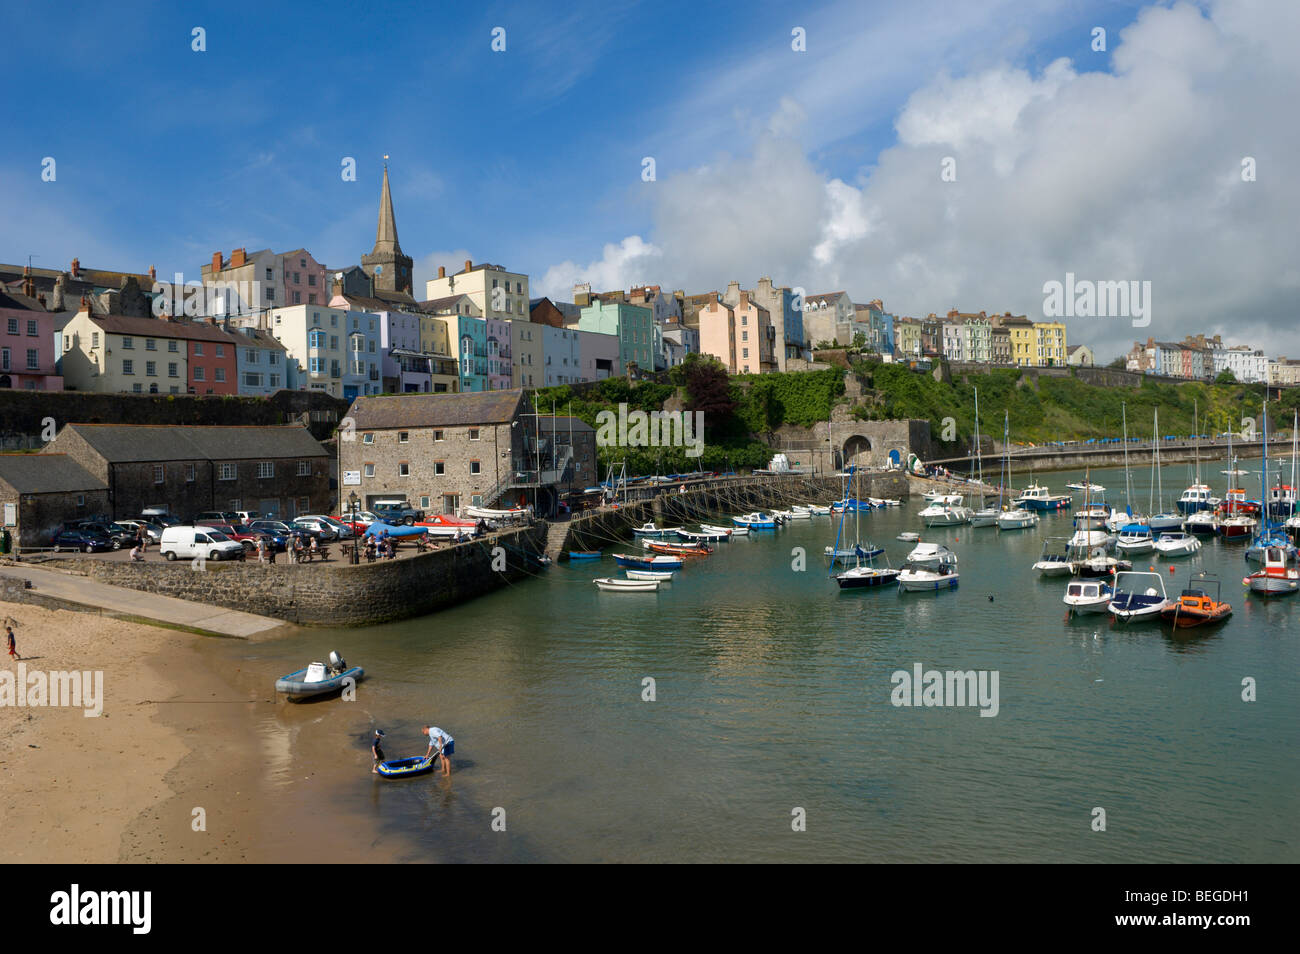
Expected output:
(849, 580)
(296, 688)
(926, 582)
(406, 768)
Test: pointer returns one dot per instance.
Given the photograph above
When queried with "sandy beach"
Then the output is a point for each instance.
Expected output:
(187, 734)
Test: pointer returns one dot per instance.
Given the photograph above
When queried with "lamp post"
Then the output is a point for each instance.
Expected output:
(352, 507)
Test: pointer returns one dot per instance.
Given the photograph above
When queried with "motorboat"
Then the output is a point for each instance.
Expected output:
(945, 514)
(1196, 498)
(1087, 596)
(614, 585)
(917, 578)
(1165, 521)
(1204, 523)
(1196, 607)
(729, 531)
(1055, 559)
(1134, 539)
(1278, 576)
(1091, 517)
(796, 513)
(1236, 526)
(1138, 596)
(319, 679)
(1272, 537)
(755, 521)
(1086, 488)
(1176, 543)
(1097, 562)
(661, 575)
(909, 536)
(652, 530)
(1017, 519)
(677, 549)
(1281, 500)
(1038, 497)
(931, 555)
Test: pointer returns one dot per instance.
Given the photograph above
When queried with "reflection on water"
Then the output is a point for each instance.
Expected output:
(773, 692)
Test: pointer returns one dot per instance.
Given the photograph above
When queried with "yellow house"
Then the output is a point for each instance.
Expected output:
(435, 338)
(1024, 339)
(1049, 344)
(115, 353)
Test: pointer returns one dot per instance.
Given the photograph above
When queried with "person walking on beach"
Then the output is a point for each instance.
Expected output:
(377, 749)
(261, 549)
(441, 741)
(13, 648)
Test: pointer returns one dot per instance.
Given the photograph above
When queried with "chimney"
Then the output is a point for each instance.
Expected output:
(153, 273)
(41, 299)
(469, 266)
(85, 305)
(237, 258)
(76, 267)
(216, 261)
(29, 285)
(744, 299)
(442, 271)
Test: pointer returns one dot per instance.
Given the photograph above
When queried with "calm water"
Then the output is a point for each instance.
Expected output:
(773, 692)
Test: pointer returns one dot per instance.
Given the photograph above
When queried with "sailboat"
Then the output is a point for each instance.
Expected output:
(1270, 534)
(1017, 518)
(1198, 496)
(1235, 521)
(1119, 520)
(1293, 521)
(1162, 519)
(1282, 497)
(1093, 515)
(985, 516)
(859, 552)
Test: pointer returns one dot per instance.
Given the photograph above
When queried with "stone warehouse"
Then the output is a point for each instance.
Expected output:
(39, 492)
(445, 452)
(281, 471)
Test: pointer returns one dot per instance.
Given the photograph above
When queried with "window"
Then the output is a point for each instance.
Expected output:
(334, 342)
(473, 433)
(370, 470)
(403, 437)
(424, 503)
(150, 344)
(275, 380)
(171, 369)
(4, 359)
(270, 275)
(316, 365)
(252, 380)
(127, 343)
(475, 467)
(13, 326)
(297, 278)
(368, 438)
(198, 373)
(439, 468)
(137, 388)
(151, 368)
(270, 294)
(476, 500)
(437, 435)
(67, 342)
(171, 346)
(403, 468)
(744, 336)
(225, 472)
(221, 374)
(746, 352)
(32, 330)
(221, 351)
(33, 359)
(94, 339)
(297, 298)
(311, 279)
(158, 473)
(189, 473)
(304, 468)
(316, 339)
(128, 366)
(265, 469)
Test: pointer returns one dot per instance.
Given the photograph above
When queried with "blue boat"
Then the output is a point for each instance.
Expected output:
(649, 563)
(406, 768)
(376, 528)
(318, 679)
(584, 554)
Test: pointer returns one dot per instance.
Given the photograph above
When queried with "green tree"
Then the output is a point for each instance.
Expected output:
(1225, 377)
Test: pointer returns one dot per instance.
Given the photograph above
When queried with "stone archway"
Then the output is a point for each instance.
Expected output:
(856, 451)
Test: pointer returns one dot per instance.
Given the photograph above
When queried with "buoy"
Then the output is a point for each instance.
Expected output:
(1171, 571)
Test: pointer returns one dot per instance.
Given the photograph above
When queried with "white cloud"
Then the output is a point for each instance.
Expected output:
(630, 262)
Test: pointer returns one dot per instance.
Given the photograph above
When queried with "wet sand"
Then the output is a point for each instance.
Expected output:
(186, 725)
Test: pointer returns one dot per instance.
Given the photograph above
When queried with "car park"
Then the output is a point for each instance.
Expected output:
(118, 535)
(85, 539)
(217, 516)
(240, 533)
(204, 542)
(279, 532)
(247, 516)
(340, 528)
(321, 530)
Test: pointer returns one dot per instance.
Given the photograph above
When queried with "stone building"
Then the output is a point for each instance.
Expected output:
(446, 452)
(280, 470)
(40, 492)
(580, 438)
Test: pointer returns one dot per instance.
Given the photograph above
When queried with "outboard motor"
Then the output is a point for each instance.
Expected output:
(337, 662)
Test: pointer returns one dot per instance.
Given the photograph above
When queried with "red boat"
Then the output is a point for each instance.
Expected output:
(447, 520)
(1196, 607)
(678, 549)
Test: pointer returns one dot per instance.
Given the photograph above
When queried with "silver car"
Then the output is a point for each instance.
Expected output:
(316, 525)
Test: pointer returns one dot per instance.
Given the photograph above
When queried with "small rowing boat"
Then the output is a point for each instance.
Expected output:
(406, 768)
(661, 575)
(612, 585)
(678, 549)
(626, 560)
(584, 554)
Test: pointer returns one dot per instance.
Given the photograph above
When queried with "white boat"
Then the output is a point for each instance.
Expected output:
(1097, 562)
(1017, 519)
(1055, 559)
(758, 521)
(866, 575)
(1089, 540)
(1091, 517)
(1138, 596)
(945, 514)
(731, 531)
(987, 517)
(1160, 519)
(1134, 538)
(941, 496)
(651, 530)
(1205, 522)
(909, 536)
(931, 555)
(817, 510)
(613, 585)
(921, 577)
(719, 535)
(794, 513)
(514, 513)
(1177, 543)
(1088, 596)
(659, 575)
(1196, 498)
(1277, 577)
(884, 502)
(1090, 488)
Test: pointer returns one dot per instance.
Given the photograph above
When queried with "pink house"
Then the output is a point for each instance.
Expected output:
(27, 352)
(498, 354)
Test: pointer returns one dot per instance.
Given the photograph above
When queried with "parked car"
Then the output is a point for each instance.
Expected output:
(153, 531)
(279, 532)
(217, 516)
(187, 542)
(160, 517)
(341, 529)
(247, 516)
(397, 511)
(117, 534)
(85, 539)
(317, 527)
(364, 518)
(242, 534)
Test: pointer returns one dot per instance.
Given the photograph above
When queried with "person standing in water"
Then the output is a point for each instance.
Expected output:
(13, 649)
(377, 749)
(444, 744)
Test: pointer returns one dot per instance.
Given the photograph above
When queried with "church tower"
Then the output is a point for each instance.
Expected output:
(390, 269)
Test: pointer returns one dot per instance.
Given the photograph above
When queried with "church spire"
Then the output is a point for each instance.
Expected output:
(386, 265)
(386, 232)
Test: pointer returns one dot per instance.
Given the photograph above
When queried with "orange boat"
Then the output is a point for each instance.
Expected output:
(1195, 606)
(678, 549)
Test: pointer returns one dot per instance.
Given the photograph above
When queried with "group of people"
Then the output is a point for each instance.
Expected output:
(441, 745)
(381, 545)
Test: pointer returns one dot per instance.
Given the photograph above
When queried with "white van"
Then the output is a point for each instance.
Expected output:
(187, 542)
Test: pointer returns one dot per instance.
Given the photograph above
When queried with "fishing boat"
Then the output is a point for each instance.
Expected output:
(1203, 523)
(1138, 596)
(1176, 543)
(406, 768)
(931, 555)
(1038, 497)
(319, 679)
(615, 585)
(728, 531)
(1277, 577)
(945, 514)
(1196, 607)
(678, 549)
(1087, 596)
(1054, 560)
(626, 560)
(1134, 539)
(660, 575)
(755, 521)
(1235, 520)
(1198, 496)
(651, 530)
(584, 554)
(924, 577)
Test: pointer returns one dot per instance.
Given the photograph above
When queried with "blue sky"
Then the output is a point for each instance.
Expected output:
(528, 158)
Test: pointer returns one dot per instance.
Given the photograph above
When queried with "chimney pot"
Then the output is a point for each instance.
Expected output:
(469, 265)
(216, 261)
(153, 273)
(442, 271)
(76, 267)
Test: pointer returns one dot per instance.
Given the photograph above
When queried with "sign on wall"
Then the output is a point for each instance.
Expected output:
(352, 478)
(11, 515)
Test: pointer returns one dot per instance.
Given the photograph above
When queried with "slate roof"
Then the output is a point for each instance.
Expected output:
(435, 410)
(560, 424)
(46, 474)
(133, 443)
